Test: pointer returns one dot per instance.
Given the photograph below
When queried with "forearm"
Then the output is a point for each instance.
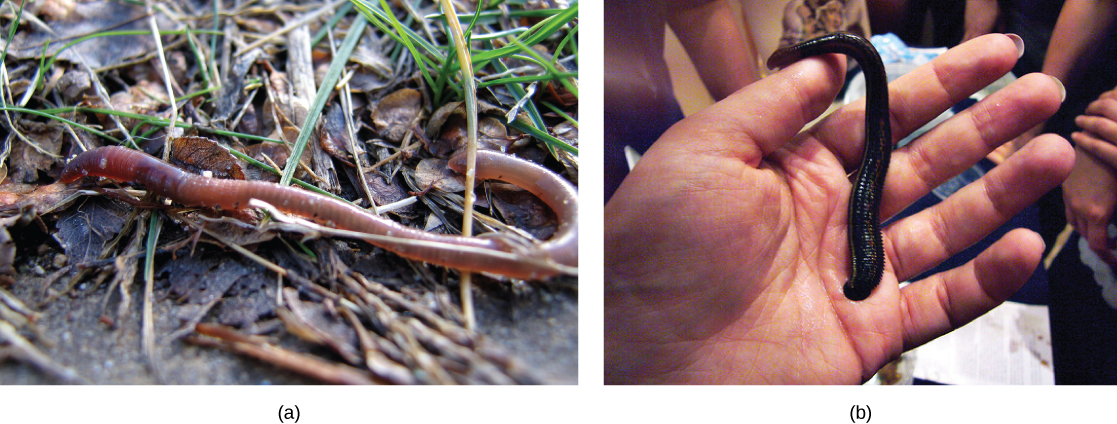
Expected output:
(1081, 24)
(719, 46)
(981, 16)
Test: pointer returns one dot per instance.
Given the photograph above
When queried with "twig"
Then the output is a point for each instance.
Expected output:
(328, 372)
(376, 361)
(1057, 247)
(172, 130)
(292, 25)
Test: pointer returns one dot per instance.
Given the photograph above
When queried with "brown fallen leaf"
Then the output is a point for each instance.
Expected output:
(249, 300)
(200, 279)
(491, 135)
(39, 152)
(199, 154)
(520, 207)
(75, 85)
(335, 136)
(45, 198)
(69, 20)
(436, 173)
(394, 114)
(273, 154)
(8, 246)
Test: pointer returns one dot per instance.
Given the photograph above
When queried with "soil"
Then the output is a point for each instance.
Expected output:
(539, 328)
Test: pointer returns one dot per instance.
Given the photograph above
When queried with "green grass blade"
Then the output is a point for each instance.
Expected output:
(332, 75)
(547, 65)
(379, 18)
(419, 59)
(542, 135)
(558, 111)
(11, 35)
(528, 78)
(340, 13)
(60, 119)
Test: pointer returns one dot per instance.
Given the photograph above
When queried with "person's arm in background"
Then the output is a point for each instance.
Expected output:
(715, 38)
(981, 17)
(1081, 25)
(1090, 192)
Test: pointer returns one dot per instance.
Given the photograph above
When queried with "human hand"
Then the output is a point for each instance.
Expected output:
(726, 246)
(1090, 192)
(1001, 154)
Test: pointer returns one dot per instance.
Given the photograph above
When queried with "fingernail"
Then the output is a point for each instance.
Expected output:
(1019, 44)
(1062, 89)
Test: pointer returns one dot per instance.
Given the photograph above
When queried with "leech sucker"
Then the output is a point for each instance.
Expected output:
(865, 242)
(522, 260)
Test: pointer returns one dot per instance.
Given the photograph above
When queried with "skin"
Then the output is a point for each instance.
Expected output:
(1080, 25)
(725, 247)
(716, 41)
(127, 165)
(1090, 193)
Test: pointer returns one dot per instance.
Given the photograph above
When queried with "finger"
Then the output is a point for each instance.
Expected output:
(1101, 126)
(1093, 145)
(945, 301)
(763, 116)
(922, 94)
(925, 239)
(1083, 228)
(1111, 94)
(1096, 236)
(1072, 220)
(1103, 106)
(955, 145)
(1080, 226)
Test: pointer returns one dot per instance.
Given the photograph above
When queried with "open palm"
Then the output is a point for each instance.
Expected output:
(725, 248)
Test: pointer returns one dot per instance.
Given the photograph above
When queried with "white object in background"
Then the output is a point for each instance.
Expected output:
(1009, 345)
(632, 156)
(1103, 275)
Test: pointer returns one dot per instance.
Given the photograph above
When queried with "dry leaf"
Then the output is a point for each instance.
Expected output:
(396, 112)
(84, 231)
(435, 173)
(524, 210)
(70, 20)
(40, 155)
(198, 154)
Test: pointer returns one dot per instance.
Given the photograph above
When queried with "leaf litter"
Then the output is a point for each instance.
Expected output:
(240, 297)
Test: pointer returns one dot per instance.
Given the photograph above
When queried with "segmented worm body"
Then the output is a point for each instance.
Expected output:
(865, 242)
(127, 165)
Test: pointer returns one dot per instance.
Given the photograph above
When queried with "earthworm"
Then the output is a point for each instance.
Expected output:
(520, 260)
(865, 242)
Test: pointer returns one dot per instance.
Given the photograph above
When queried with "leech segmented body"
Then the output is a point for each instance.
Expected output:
(127, 165)
(865, 243)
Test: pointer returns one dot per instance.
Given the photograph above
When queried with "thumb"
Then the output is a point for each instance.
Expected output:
(763, 116)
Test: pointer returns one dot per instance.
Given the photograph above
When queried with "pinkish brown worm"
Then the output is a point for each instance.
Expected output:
(520, 260)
